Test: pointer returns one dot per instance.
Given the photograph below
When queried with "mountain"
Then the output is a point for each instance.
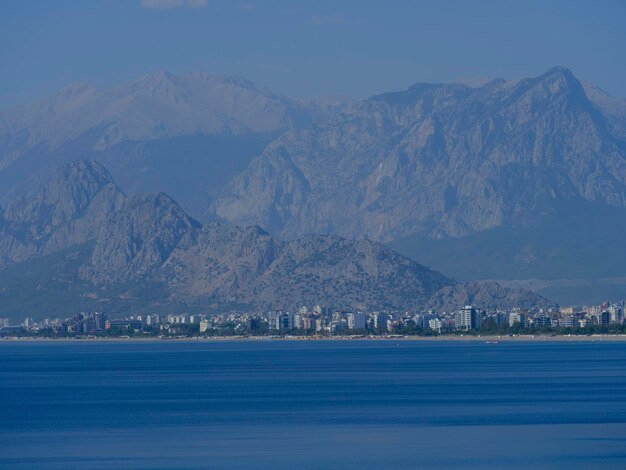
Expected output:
(444, 165)
(154, 106)
(614, 109)
(443, 160)
(159, 132)
(69, 210)
(81, 243)
(484, 180)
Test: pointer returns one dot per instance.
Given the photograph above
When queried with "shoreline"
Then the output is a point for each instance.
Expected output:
(485, 339)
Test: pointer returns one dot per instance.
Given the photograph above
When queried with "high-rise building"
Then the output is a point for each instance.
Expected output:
(435, 324)
(255, 324)
(272, 321)
(604, 318)
(356, 321)
(308, 323)
(286, 321)
(517, 316)
(542, 320)
(467, 318)
(379, 321)
(99, 319)
(615, 313)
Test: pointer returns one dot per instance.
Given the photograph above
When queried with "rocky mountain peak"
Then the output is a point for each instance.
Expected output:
(435, 161)
(556, 85)
(76, 90)
(157, 84)
(64, 197)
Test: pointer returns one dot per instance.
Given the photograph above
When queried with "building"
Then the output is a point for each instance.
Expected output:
(128, 325)
(356, 321)
(175, 319)
(204, 325)
(542, 321)
(280, 321)
(467, 318)
(254, 325)
(337, 326)
(309, 323)
(99, 320)
(86, 322)
(615, 314)
(517, 316)
(501, 318)
(604, 319)
(435, 324)
(379, 321)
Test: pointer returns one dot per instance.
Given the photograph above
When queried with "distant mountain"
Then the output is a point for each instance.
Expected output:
(203, 127)
(80, 243)
(443, 165)
(612, 108)
(443, 160)
(486, 180)
(152, 107)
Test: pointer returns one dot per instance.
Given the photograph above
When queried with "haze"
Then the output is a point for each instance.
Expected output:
(308, 48)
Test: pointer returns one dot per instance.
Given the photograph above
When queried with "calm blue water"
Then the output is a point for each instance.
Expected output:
(312, 405)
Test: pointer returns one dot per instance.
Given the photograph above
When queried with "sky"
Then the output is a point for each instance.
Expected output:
(305, 49)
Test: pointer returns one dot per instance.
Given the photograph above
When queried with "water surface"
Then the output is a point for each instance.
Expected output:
(312, 405)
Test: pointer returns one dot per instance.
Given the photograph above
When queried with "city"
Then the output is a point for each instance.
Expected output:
(323, 321)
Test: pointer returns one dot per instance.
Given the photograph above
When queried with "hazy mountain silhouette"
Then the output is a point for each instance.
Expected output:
(79, 243)
(504, 180)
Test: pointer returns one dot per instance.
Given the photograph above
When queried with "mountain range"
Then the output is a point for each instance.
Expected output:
(79, 242)
(505, 180)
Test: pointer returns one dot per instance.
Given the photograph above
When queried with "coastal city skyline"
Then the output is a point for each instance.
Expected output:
(317, 320)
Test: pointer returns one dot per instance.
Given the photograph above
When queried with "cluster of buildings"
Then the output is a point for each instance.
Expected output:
(327, 321)
(603, 315)
(469, 318)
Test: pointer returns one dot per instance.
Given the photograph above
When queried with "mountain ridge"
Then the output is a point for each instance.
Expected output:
(423, 170)
(438, 162)
(108, 250)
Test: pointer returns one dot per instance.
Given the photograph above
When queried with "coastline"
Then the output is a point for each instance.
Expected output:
(485, 339)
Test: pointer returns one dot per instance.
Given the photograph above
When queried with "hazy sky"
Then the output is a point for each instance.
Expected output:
(301, 49)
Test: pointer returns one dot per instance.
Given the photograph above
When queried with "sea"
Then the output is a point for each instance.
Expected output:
(312, 405)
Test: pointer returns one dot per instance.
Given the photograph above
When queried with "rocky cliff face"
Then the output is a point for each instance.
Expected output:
(440, 160)
(186, 135)
(69, 210)
(438, 167)
(89, 244)
(154, 106)
(502, 180)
